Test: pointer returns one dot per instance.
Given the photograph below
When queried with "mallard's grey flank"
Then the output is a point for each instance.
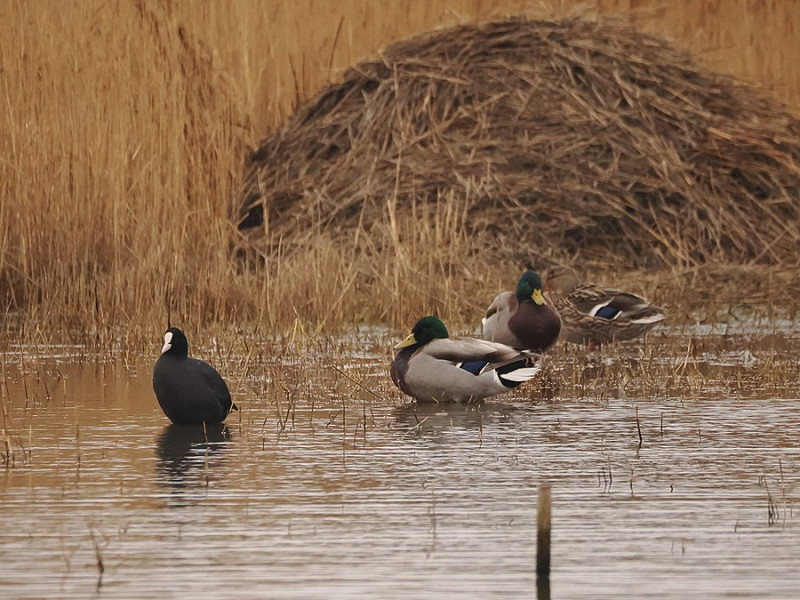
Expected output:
(430, 366)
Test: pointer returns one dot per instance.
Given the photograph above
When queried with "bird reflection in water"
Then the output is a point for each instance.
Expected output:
(186, 453)
(434, 417)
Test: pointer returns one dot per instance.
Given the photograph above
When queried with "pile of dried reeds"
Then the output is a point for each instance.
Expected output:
(587, 136)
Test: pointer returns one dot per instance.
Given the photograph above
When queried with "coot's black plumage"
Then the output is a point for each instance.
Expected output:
(188, 390)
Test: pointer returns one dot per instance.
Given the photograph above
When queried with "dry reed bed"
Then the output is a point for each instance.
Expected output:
(121, 150)
(588, 137)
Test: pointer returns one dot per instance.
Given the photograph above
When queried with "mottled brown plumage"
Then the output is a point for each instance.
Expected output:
(592, 314)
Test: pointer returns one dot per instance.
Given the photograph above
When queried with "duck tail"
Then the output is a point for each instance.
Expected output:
(649, 315)
(514, 373)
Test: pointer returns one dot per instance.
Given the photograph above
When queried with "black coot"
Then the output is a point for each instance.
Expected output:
(188, 390)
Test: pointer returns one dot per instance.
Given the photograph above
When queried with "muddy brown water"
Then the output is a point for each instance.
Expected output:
(350, 491)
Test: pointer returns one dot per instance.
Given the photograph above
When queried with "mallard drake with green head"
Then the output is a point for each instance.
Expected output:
(430, 366)
(595, 315)
(522, 319)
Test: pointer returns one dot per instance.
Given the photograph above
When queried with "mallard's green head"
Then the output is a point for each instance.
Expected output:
(425, 330)
(530, 288)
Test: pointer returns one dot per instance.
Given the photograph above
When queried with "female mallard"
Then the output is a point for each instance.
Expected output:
(595, 315)
(188, 390)
(522, 319)
(433, 367)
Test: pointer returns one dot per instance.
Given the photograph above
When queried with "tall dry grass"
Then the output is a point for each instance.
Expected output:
(120, 144)
(122, 137)
(278, 52)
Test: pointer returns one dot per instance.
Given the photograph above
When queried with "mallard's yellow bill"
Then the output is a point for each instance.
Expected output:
(409, 341)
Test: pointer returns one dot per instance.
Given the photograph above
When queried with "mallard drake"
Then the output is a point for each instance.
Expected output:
(522, 319)
(188, 390)
(430, 366)
(595, 315)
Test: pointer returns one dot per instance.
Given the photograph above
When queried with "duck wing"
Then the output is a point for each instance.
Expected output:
(494, 325)
(466, 350)
(607, 303)
(461, 369)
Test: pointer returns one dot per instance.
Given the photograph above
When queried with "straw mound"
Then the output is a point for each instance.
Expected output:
(591, 137)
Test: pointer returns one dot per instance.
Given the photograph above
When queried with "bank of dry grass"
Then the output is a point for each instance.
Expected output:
(120, 143)
(466, 154)
(589, 138)
(124, 129)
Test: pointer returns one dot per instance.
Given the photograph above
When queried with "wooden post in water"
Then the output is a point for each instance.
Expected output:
(543, 516)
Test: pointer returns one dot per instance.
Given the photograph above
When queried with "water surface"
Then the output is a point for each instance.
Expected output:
(330, 484)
